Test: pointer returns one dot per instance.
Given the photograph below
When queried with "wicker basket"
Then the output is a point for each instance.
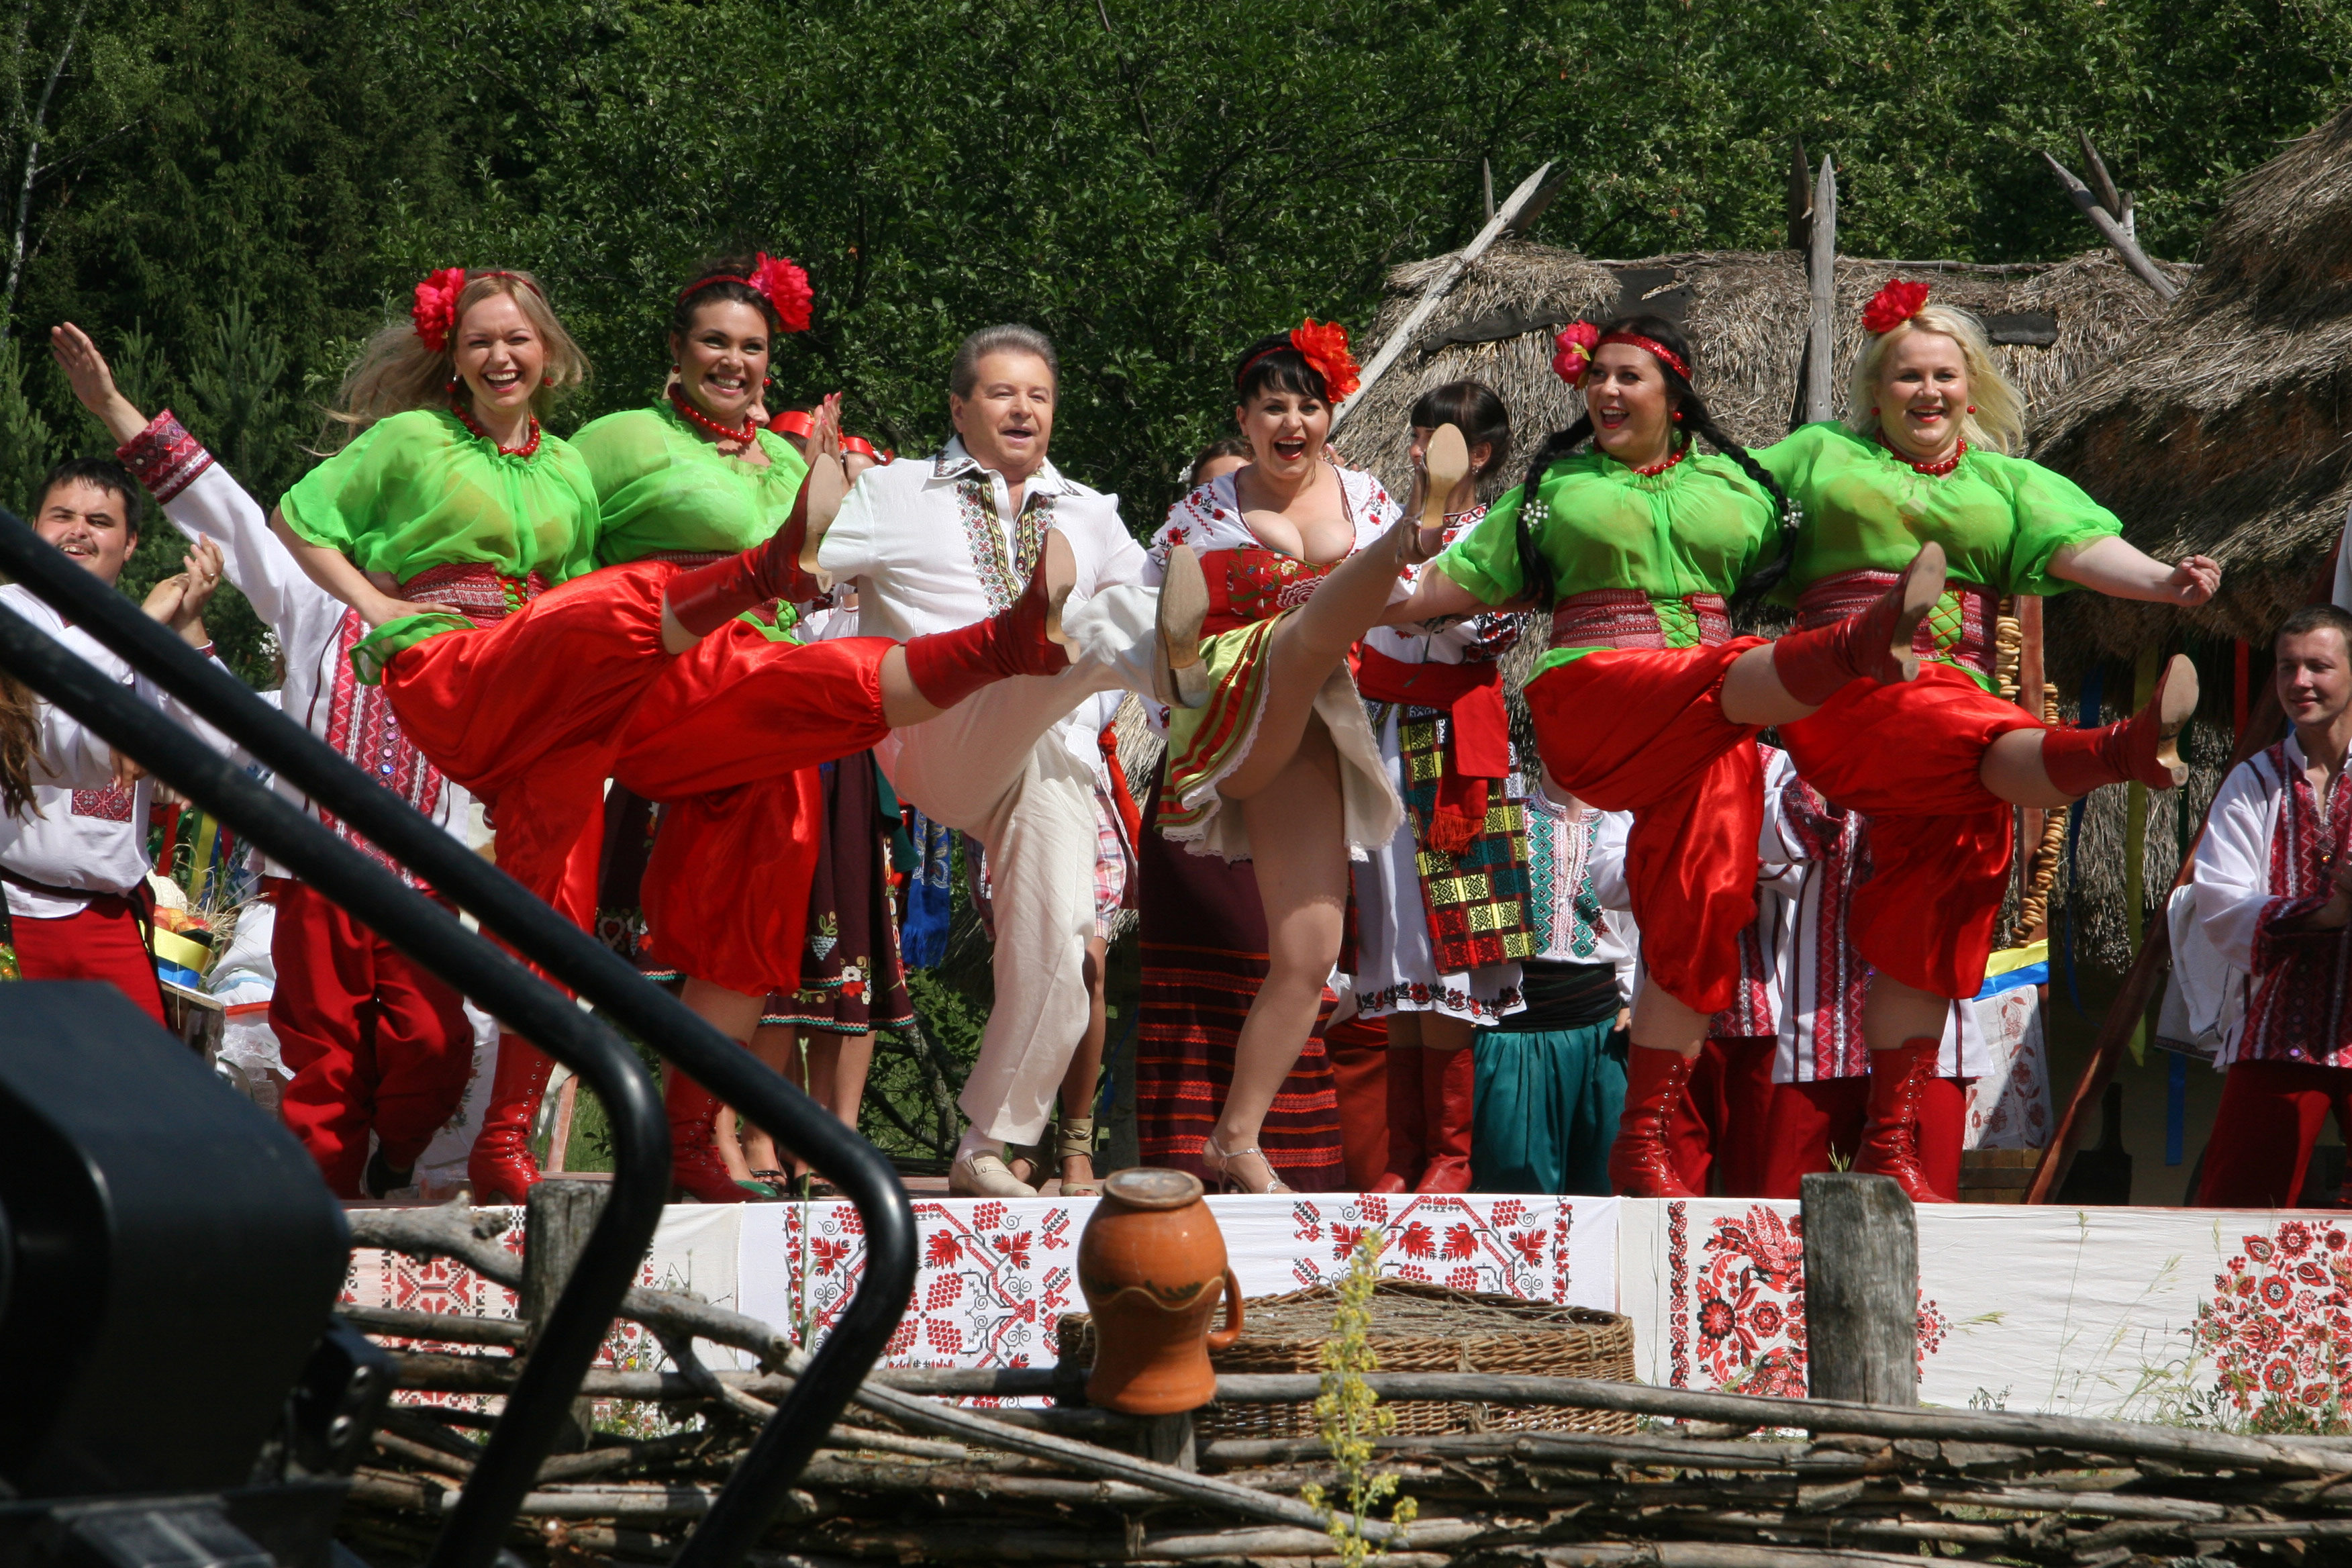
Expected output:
(1415, 1328)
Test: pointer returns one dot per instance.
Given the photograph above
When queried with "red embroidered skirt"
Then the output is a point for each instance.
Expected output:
(1644, 730)
(1907, 757)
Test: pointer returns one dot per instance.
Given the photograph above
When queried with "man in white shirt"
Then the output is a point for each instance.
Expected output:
(2273, 896)
(942, 543)
(74, 859)
(373, 1041)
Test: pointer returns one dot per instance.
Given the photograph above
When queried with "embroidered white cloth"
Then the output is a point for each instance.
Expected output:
(83, 831)
(1210, 518)
(935, 533)
(1577, 901)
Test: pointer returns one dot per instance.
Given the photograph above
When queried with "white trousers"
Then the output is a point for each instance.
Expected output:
(992, 768)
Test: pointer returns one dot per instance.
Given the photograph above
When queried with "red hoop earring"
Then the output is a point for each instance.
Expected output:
(547, 379)
(454, 384)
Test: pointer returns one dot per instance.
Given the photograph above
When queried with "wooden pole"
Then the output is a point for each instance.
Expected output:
(2112, 231)
(1821, 342)
(1486, 185)
(2103, 185)
(1862, 1290)
(1523, 201)
(1800, 198)
(557, 1217)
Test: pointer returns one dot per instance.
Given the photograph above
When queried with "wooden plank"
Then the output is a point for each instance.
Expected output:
(1821, 266)
(1801, 197)
(558, 1214)
(1862, 1290)
(1522, 200)
(2112, 232)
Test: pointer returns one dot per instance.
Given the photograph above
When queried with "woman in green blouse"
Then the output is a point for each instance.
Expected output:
(1645, 702)
(464, 535)
(1935, 766)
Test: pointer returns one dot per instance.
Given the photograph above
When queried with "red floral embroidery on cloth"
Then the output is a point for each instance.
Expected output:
(482, 592)
(1627, 617)
(361, 726)
(1834, 842)
(165, 457)
(2279, 1326)
(2301, 1010)
(112, 804)
(1746, 1310)
(1250, 585)
(1959, 630)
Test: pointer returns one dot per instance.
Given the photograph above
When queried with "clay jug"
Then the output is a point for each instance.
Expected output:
(1152, 1264)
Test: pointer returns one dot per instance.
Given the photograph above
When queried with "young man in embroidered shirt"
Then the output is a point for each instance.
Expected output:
(937, 543)
(2274, 894)
(73, 859)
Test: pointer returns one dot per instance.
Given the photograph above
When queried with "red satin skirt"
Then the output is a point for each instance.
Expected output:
(1644, 730)
(534, 712)
(1907, 757)
(525, 712)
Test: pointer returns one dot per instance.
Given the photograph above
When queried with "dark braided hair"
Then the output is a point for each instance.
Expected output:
(1701, 425)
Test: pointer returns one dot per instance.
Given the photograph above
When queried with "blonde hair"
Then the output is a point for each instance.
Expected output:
(1999, 421)
(397, 372)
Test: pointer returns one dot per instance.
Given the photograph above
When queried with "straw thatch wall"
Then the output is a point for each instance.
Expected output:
(2226, 430)
(1745, 312)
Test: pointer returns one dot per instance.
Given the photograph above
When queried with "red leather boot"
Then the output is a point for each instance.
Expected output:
(2139, 749)
(1447, 1082)
(1408, 1122)
(500, 1167)
(1890, 1134)
(1025, 638)
(695, 1167)
(1641, 1162)
(702, 599)
(1869, 645)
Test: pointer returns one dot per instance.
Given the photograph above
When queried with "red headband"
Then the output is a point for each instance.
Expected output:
(779, 280)
(794, 422)
(1577, 345)
(435, 309)
(1893, 305)
(1324, 345)
(863, 447)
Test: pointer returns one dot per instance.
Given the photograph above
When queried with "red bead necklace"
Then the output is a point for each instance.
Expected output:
(525, 450)
(1934, 471)
(1654, 470)
(695, 416)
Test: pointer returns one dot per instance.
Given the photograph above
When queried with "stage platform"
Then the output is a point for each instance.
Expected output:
(2131, 1312)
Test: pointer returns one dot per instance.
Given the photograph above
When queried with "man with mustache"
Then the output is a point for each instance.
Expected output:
(940, 542)
(73, 843)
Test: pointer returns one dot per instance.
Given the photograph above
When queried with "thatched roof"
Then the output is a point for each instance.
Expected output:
(2226, 427)
(1747, 313)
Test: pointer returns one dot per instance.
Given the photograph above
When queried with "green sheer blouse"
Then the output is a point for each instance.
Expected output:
(2000, 520)
(660, 488)
(419, 489)
(1698, 528)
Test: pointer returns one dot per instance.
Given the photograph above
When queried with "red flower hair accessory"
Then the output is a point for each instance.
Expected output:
(1574, 350)
(436, 307)
(779, 280)
(1893, 305)
(1324, 345)
(785, 282)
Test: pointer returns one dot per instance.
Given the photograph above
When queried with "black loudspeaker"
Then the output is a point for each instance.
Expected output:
(169, 1263)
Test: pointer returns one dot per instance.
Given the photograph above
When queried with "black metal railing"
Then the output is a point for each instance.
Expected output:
(746, 1506)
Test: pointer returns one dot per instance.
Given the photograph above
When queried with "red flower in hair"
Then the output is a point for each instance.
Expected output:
(1893, 305)
(786, 284)
(1574, 355)
(435, 310)
(1325, 346)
